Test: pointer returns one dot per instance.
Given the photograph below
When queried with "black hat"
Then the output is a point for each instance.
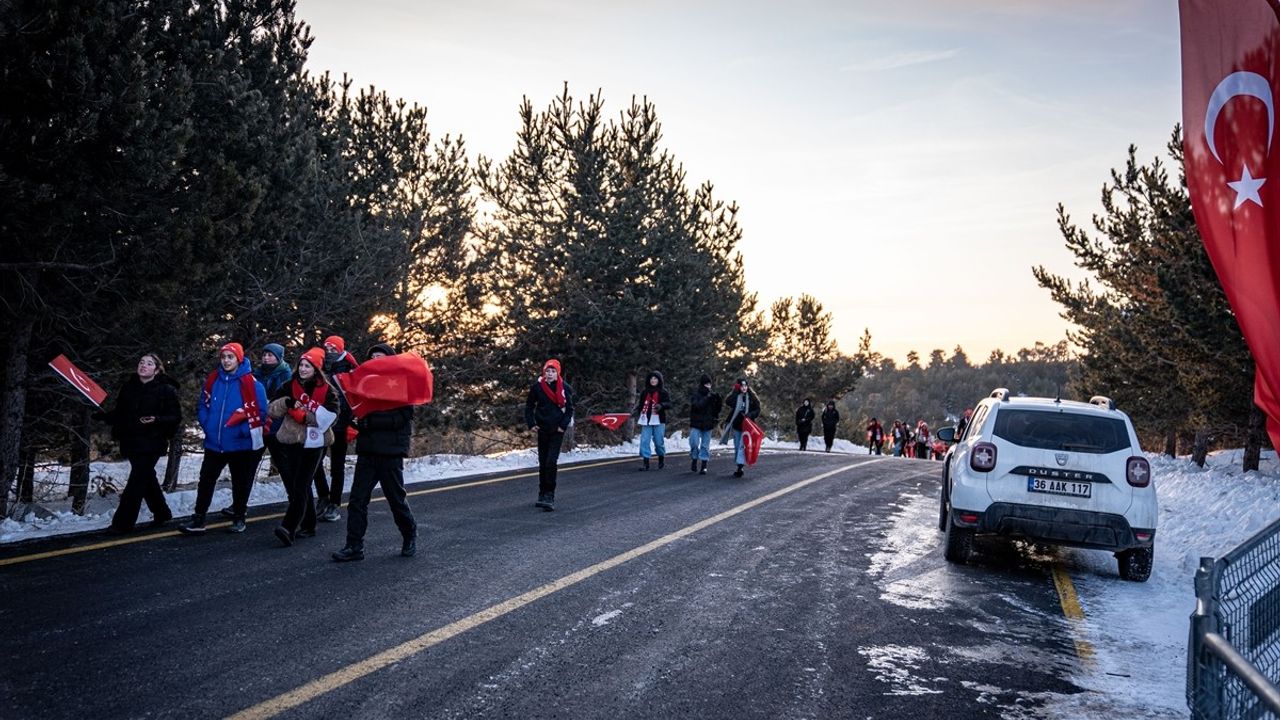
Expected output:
(383, 348)
(704, 380)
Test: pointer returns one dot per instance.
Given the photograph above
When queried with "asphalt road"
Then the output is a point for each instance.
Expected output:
(644, 595)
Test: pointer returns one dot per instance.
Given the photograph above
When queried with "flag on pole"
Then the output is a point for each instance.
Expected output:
(752, 437)
(387, 383)
(610, 421)
(1230, 85)
(78, 379)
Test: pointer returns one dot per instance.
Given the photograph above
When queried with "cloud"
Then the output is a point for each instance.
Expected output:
(901, 60)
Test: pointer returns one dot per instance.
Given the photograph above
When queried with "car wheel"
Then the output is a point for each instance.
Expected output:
(1135, 564)
(959, 544)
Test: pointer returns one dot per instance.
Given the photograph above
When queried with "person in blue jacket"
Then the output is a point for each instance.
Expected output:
(233, 413)
(274, 373)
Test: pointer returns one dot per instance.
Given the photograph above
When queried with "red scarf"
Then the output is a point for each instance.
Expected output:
(556, 396)
(309, 402)
(650, 399)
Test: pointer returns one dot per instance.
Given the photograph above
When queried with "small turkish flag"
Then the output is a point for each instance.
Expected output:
(610, 421)
(78, 379)
(752, 437)
(1230, 86)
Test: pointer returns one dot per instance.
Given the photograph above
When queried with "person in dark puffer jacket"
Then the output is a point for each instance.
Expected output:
(144, 419)
(381, 447)
(704, 409)
(548, 411)
(804, 423)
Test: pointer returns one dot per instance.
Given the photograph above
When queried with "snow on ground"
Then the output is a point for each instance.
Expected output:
(59, 519)
(1137, 631)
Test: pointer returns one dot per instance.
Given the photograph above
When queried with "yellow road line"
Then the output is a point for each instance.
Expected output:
(1074, 613)
(18, 559)
(355, 671)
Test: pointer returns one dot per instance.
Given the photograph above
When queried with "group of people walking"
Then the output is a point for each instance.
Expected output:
(907, 441)
(298, 414)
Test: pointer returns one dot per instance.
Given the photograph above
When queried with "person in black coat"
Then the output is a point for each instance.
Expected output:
(145, 417)
(651, 415)
(548, 411)
(830, 419)
(804, 423)
(381, 447)
(704, 409)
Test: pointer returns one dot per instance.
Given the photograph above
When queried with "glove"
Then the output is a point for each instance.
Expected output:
(299, 415)
(351, 434)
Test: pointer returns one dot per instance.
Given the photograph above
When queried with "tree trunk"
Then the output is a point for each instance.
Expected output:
(1200, 448)
(174, 462)
(633, 393)
(26, 476)
(1254, 438)
(80, 461)
(1171, 443)
(13, 405)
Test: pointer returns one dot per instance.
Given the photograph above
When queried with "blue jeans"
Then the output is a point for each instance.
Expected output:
(654, 433)
(740, 456)
(699, 444)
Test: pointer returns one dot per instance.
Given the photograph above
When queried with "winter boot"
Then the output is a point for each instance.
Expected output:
(542, 501)
(703, 471)
(410, 546)
(693, 467)
(662, 461)
(550, 504)
(286, 537)
(349, 552)
(195, 527)
(738, 472)
(644, 464)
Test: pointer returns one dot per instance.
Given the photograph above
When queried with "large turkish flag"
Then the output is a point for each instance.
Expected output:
(386, 383)
(1230, 74)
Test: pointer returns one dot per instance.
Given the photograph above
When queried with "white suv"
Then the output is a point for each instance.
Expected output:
(1054, 471)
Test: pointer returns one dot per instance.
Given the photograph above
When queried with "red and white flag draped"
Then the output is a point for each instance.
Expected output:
(610, 421)
(387, 383)
(1230, 85)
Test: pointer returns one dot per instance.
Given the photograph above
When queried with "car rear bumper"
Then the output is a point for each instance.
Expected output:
(1076, 528)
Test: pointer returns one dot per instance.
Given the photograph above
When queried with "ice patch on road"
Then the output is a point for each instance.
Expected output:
(602, 620)
(895, 665)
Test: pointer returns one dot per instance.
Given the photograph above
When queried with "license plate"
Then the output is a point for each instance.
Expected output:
(1060, 487)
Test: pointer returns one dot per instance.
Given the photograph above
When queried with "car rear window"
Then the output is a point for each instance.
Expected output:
(1062, 431)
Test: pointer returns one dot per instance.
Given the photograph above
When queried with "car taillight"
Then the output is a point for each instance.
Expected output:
(983, 457)
(1138, 472)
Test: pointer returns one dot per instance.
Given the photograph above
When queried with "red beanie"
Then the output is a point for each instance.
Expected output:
(552, 363)
(315, 356)
(235, 349)
(338, 343)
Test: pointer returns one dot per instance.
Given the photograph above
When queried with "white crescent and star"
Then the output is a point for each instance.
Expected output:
(1240, 84)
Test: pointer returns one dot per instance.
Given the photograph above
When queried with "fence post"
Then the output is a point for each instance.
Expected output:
(1203, 686)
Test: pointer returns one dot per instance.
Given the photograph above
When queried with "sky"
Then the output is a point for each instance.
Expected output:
(901, 162)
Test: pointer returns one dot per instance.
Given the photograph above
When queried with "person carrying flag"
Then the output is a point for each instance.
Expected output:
(233, 412)
(548, 411)
(742, 404)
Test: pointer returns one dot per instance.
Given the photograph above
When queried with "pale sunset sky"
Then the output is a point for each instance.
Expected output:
(900, 161)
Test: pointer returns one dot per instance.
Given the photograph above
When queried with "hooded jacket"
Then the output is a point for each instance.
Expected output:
(224, 400)
(704, 406)
(158, 399)
(804, 418)
(830, 417)
(649, 392)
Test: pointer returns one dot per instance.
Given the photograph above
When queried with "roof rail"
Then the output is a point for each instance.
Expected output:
(1103, 401)
(1001, 393)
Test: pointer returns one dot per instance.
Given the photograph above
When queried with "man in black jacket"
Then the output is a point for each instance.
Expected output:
(548, 412)
(804, 423)
(704, 408)
(381, 447)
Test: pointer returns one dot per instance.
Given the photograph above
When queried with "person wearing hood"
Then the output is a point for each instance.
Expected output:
(548, 412)
(804, 422)
(144, 419)
(742, 403)
(233, 413)
(381, 447)
(651, 415)
(306, 408)
(336, 361)
(704, 409)
(830, 420)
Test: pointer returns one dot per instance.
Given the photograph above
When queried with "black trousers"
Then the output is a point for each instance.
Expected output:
(387, 471)
(244, 466)
(141, 485)
(829, 436)
(877, 446)
(549, 444)
(922, 451)
(331, 490)
(275, 450)
(804, 438)
(299, 466)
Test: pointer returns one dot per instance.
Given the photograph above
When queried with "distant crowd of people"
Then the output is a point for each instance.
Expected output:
(907, 441)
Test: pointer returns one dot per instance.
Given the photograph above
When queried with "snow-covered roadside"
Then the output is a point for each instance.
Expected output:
(427, 469)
